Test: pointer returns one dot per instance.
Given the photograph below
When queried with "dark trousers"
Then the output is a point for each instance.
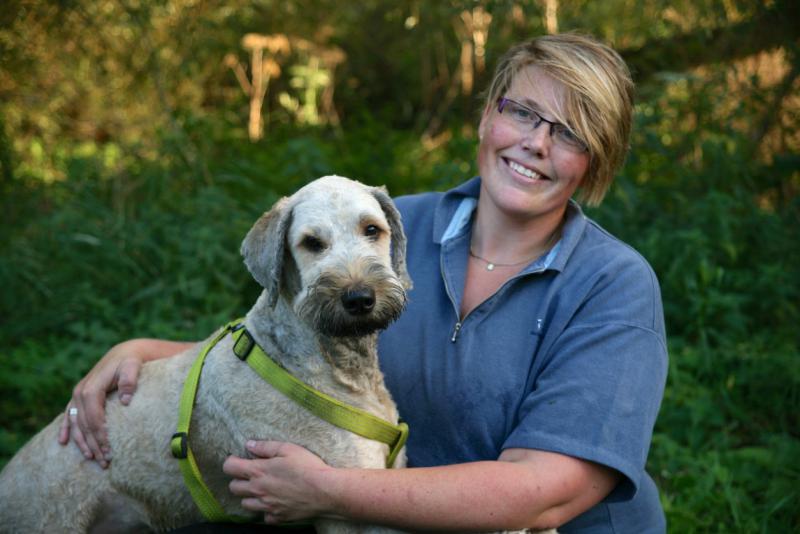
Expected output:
(238, 528)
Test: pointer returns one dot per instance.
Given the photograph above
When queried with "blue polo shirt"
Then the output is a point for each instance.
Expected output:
(568, 356)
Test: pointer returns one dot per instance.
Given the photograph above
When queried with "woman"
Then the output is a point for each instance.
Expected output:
(531, 360)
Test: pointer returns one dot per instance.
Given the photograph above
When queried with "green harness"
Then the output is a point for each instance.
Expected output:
(323, 406)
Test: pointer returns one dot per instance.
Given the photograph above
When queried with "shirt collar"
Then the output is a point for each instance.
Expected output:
(448, 207)
(454, 213)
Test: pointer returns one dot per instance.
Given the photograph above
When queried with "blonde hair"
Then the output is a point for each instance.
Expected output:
(599, 98)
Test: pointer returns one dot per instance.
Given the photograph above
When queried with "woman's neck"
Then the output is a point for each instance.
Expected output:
(503, 239)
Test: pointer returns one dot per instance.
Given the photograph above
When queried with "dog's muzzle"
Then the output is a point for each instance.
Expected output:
(338, 308)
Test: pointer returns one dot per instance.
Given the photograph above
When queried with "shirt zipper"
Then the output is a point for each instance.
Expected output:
(455, 332)
(457, 327)
(460, 322)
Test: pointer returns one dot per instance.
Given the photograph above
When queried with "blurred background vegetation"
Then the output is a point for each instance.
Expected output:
(140, 139)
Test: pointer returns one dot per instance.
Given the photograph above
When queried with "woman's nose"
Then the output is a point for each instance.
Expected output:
(537, 139)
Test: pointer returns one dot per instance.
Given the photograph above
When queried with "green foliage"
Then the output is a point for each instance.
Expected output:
(724, 448)
(127, 183)
(98, 259)
(721, 237)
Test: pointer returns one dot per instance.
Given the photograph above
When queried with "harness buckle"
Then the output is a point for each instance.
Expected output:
(244, 345)
(179, 445)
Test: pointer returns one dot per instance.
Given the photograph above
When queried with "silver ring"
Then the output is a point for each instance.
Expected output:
(73, 411)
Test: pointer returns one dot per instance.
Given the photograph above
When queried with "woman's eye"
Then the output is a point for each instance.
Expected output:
(521, 113)
(566, 133)
(312, 244)
(568, 136)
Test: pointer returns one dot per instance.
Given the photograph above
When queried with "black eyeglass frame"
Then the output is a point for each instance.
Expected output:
(575, 143)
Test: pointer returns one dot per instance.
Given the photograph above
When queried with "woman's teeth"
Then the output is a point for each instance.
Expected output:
(533, 175)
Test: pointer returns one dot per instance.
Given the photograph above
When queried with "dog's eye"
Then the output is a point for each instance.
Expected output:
(312, 243)
(372, 231)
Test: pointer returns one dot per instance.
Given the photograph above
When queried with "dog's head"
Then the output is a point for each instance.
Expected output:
(335, 251)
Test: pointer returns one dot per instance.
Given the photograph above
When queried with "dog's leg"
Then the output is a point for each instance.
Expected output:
(47, 487)
(120, 515)
(330, 526)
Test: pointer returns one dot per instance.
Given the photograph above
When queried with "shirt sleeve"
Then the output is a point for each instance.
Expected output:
(598, 394)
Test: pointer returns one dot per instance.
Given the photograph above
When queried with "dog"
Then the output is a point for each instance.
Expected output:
(331, 261)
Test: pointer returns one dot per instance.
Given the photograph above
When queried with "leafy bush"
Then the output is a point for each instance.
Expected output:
(148, 250)
(726, 255)
(101, 259)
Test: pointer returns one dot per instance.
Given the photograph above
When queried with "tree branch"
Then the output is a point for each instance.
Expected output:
(773, 110)
(770, 28)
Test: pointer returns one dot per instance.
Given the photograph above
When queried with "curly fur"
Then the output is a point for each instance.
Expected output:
(299, 320)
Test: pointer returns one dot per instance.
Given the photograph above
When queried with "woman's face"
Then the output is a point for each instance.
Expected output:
(525, 175)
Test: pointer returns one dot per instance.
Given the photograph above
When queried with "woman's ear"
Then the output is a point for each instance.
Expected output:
(482, 125)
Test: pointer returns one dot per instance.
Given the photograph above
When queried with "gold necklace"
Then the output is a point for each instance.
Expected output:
(490, 265)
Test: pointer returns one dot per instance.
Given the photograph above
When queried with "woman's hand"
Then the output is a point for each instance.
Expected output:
(279, 482)
(85, 419)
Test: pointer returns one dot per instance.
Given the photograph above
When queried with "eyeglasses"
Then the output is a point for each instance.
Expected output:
(527, 118)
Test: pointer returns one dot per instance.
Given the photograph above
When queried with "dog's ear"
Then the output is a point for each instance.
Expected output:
(264, 246)
(398, 235)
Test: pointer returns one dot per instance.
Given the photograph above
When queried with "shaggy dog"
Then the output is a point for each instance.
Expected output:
(331, 259)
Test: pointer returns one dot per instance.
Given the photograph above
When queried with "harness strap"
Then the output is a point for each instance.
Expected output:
(202, 496)
(323, 406)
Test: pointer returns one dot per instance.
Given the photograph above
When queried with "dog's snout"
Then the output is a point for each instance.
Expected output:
(358, 301)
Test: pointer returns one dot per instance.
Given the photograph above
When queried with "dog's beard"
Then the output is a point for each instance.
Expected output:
(322, 306)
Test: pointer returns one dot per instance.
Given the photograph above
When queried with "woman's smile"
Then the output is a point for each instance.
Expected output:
(527, 172)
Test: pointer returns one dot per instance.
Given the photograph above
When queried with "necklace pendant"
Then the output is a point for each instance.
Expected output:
(490, 266)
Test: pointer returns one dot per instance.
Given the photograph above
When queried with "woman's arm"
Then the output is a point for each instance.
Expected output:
(523, 489)
(118, 369)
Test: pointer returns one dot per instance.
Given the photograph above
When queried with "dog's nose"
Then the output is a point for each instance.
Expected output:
(359, 301)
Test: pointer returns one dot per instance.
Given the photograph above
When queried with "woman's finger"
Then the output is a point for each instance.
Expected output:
(128, 379)
(240, 468)
(255, 505)
(69, 429)
(94, 421)
(242, 488)
(271, 519)
(63, 429)
(83, 423)
(271, 449)
(77, 436)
